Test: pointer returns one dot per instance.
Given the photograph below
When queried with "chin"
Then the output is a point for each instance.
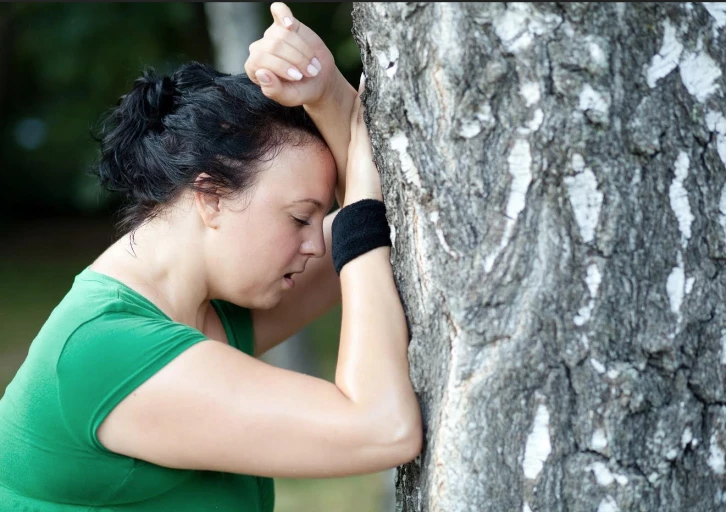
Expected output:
(268, 302)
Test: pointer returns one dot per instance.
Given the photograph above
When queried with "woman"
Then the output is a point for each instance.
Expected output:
(142, 392)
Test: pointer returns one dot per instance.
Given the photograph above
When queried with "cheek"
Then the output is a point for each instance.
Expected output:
(278, 245)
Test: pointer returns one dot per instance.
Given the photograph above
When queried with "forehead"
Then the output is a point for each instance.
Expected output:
(300, 169)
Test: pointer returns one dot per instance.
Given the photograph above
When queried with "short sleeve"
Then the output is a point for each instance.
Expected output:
(237, 322)
(108, 357)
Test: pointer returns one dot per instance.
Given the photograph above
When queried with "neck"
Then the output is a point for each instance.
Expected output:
(166, 263)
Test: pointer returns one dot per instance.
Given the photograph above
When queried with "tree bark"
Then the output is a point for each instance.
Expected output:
(555, 179)
(233, 27)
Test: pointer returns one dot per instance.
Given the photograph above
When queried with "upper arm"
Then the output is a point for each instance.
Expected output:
(316, 291)
(216, 408)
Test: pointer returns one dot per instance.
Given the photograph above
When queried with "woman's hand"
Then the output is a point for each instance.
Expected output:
(362, 178)
(291, 63)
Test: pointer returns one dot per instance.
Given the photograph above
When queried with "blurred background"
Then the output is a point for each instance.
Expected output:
(61, 66)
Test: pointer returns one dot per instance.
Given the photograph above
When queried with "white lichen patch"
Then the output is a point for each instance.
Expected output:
(583, 315)
(518, 26)
(531, 93)
(722, 211)
(716, 456)
(608, 505)
(511, 28)
(526, 508)
(597, 55)
(470, 128)
(388, 61)
(716, 123)
(597, 365)
(590, 99)
(434, 218)
(599, 441)
(536, 121)
(538, 445)
(481, 119)
(667, 57)
(675, 287)
(686, 437)
(585, 341)
(699, 73)
(520, 168)
(399, 143)
(718, 11)
(593, 279)
(604, 476)
(689, 284)
(679, 198)
(586, 201)
(533, 124)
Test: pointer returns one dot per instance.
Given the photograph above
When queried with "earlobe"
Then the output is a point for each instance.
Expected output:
(207, 203)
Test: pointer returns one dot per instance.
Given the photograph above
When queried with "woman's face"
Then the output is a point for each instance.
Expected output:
(274, 228)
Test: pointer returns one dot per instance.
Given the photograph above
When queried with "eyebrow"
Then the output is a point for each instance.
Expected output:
(310, 200)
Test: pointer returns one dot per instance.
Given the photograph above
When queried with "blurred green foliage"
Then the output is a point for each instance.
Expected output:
(63, 64)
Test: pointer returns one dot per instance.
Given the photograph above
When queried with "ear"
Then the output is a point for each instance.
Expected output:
(207, 203)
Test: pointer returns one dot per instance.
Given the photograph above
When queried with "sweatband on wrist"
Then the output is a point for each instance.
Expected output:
(358, 228)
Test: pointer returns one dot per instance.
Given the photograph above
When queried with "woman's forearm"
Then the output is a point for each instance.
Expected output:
(372, 368)
(332, 118)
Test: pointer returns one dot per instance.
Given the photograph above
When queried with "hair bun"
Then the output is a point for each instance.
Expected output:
(167, 90)
(161, 100)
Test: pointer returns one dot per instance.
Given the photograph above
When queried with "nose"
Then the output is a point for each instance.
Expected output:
(315, 246)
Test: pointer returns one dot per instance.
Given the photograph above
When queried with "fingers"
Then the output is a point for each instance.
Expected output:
(268, 81)
(354, 115)
(281, 63)
(283, 16)
(293, 39)
(284, 53)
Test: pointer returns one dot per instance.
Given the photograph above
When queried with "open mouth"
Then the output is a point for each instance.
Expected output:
(288, 279)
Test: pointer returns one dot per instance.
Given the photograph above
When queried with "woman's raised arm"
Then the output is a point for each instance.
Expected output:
(293, 66)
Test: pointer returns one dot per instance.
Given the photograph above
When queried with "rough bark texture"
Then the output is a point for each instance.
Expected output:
(555, 177)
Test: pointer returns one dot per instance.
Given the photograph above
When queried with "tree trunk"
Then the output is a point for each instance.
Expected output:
(555, 179)
(233, 27)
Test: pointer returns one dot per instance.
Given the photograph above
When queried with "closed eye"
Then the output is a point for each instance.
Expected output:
(301, 221)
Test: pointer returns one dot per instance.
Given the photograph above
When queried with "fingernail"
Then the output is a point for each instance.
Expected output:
(312, 70)
(294, 74)
(287, 21)
(262, 77)
(317, 64)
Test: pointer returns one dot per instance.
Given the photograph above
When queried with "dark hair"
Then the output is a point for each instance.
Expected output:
(168, 130)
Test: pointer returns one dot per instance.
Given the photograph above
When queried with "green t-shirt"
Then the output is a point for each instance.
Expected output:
(100, 343)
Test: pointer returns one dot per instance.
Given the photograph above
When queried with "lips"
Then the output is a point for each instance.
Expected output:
(288, 278)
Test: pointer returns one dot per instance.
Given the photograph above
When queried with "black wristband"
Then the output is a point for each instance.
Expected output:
(358, 228)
